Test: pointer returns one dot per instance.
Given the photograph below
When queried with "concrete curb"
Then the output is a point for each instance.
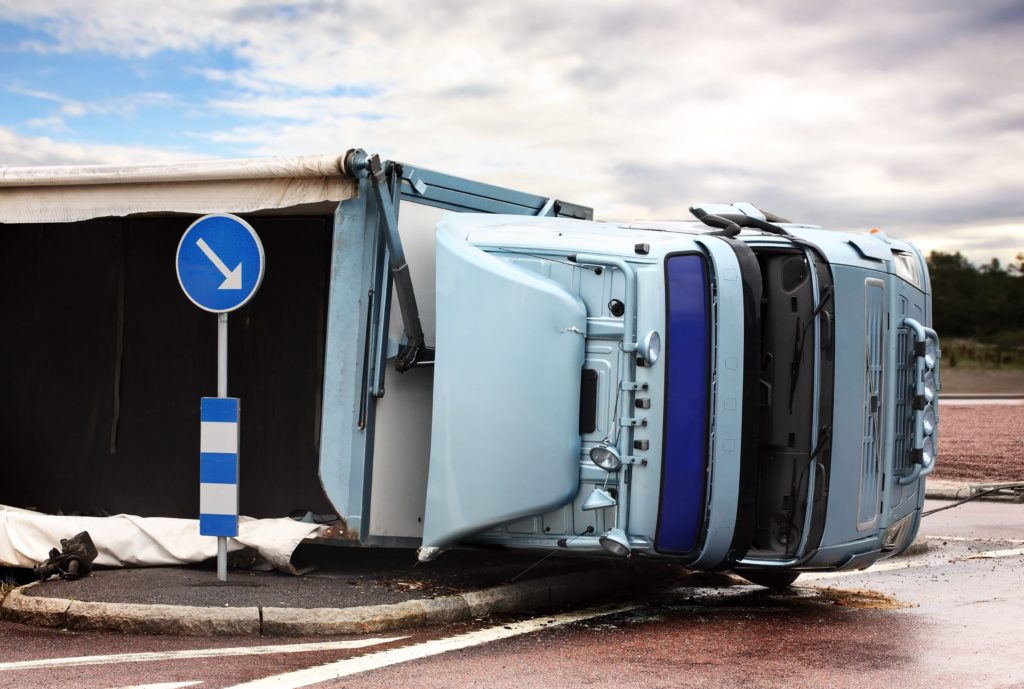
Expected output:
(527, 596)
(946, 490)
(162, 619)
(41, 612)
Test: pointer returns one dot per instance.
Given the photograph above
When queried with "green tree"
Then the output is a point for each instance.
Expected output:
(984, 303)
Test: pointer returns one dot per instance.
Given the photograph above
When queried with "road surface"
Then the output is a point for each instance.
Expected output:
(950, 616)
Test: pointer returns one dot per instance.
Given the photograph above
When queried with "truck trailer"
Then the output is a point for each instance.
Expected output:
(734, 391)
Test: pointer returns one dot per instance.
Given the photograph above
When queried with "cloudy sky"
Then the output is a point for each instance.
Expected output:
(907, 116)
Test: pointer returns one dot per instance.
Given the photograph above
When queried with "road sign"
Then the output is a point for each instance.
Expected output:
(220, 262)
(218, 466)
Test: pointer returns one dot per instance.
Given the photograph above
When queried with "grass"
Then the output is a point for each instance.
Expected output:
(7, 584)
(971, 354)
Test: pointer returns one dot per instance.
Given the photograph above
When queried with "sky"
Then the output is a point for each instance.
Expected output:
(906, 115)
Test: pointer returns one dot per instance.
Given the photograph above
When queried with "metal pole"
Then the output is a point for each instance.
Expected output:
(222, 391)
(222, 355)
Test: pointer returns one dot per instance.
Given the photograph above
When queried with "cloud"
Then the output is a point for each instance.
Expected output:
(843, 113)
(122, 106)
(53, 123)
(20, 150)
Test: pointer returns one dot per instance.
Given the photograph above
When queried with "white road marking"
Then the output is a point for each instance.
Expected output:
(910, 564)
(972, 539)
(375, 661)
(192, 654)
(884, 567)
(993, 554)
(987, 401)
(164, 685)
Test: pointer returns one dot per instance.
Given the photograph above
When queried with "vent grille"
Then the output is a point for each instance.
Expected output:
(904, 410)
(874, 382)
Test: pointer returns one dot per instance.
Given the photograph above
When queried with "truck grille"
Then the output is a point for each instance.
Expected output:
(903, 417)
(874, 381)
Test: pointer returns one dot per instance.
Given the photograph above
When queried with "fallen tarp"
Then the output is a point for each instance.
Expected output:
(126, 540)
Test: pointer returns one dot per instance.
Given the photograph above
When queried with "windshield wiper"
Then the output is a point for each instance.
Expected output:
(798, 346)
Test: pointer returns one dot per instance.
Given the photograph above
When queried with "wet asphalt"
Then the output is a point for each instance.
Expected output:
(342, 577)
(949, 617)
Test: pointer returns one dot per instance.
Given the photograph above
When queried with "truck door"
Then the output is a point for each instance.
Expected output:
(505, 438)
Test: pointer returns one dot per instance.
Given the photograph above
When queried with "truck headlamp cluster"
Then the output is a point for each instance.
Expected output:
(926, 386)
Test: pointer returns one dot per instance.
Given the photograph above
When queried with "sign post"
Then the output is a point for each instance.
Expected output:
(209, 246)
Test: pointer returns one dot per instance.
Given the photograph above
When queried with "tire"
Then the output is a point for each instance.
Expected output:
(769, 578)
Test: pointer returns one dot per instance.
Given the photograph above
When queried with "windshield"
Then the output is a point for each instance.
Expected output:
(687, 348)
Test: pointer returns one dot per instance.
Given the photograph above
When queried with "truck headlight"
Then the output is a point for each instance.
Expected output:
(650, 347)
(908, 268)
(929, 420)
(929, 386)
(928, 451)
(896, 535)
(606, 457)
(931, 355)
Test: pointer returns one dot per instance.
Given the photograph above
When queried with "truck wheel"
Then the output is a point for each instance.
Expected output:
(770, 578)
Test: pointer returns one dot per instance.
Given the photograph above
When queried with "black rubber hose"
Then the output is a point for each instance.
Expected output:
(728, 227)
(747, 221)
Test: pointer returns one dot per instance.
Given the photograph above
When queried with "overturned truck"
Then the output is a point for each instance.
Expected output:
(440, 361)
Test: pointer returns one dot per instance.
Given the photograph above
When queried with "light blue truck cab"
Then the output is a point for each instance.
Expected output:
(758, 397)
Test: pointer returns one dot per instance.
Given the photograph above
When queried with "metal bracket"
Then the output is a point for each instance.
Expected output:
(631, 422)
(364, 166)
(415, 182)
(630, 386)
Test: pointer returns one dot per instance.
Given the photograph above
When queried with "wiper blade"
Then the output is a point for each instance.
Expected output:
(798, 349)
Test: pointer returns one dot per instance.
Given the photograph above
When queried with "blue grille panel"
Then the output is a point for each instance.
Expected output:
(684, 466)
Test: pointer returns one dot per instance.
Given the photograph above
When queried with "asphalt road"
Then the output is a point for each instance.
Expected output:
(950, 616)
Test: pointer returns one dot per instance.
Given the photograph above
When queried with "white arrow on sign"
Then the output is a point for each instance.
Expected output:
(232, 278)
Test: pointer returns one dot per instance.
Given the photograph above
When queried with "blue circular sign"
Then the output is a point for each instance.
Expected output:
(220, 262)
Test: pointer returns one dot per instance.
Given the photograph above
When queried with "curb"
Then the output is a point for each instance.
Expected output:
(952, 490)
(533, 595)
(946, 490)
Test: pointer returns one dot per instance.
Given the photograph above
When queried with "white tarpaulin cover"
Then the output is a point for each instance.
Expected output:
(125, 540)
(70, 194)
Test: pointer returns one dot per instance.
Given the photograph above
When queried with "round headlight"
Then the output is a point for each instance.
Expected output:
(615, 541)
(929, 421)
(928, 451)
(929, 386)
(606, 457)
(931, 355)
(650, 347)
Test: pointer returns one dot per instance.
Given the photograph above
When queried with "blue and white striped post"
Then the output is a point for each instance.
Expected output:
(218, 467)
(218, 473)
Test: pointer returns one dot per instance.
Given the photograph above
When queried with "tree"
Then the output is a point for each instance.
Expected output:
(984, 303)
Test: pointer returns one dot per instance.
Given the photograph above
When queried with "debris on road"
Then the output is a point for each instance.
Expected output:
(72, 561)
